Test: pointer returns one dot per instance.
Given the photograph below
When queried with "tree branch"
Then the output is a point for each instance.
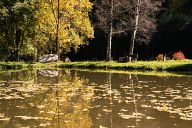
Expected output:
(52, 8)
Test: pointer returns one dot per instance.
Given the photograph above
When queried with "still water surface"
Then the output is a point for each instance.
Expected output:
(84, 99)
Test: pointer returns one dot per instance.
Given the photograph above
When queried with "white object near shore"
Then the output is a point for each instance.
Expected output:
(48, 58)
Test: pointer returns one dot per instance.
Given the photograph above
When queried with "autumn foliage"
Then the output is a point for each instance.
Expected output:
(178, 56)
(160, 57)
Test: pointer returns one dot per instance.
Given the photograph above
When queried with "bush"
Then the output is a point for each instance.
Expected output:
(160, 57)
(178, 56)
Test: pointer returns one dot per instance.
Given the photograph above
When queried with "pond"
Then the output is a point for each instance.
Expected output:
(85, 99)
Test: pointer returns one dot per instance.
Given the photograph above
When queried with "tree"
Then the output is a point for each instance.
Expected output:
(112, 17)
(144, 21)
(175, 28)
(110, 32)
(16, 22)
(132, 43)
(122, 17)
(66, 23)
(41, 24)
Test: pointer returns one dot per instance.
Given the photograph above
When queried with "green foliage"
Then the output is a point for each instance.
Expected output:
(31, 24)
(16, 23)
(177, 19)
(176, 4)
(27, 49)
(178, 14)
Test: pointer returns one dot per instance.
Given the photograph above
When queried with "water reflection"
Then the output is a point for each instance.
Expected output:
(48, 72)
(54, 102)
(82, 99)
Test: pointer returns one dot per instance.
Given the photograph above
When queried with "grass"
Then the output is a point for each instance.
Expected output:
(176, 66)
(139, 65)
(156, 73)
(23, 65)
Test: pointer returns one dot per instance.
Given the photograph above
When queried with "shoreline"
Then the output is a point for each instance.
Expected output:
(174, 66)
(170, 67)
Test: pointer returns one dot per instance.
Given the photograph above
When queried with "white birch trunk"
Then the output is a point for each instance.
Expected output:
(57, 28)
(110, 34)
(132, 43)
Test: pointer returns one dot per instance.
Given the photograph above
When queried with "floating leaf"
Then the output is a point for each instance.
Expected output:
(150, 118)
(4, 119)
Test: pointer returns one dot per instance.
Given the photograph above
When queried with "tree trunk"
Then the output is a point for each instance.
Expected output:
(17, 44)
(109, 58)
(35, 55)
(57, 28)
(132, 43)
(110, 33)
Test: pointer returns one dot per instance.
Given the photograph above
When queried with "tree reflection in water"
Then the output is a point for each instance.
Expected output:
(69, 103)
(108, 99)
(87, 99)
(51, 102)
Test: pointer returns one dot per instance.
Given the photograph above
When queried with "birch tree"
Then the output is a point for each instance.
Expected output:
(132, 43)
(135, 17)
(143, 22)
(112, 17)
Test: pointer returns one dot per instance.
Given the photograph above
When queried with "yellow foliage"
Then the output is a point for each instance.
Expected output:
(75, 27)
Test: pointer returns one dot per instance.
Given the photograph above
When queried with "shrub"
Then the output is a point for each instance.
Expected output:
(160, 57)
(178, 56)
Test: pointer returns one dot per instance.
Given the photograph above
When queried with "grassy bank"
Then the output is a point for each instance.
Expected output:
(156, 73)
(23, 65)
(139, 66)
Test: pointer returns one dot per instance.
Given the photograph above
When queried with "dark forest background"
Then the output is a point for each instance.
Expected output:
(173, 33)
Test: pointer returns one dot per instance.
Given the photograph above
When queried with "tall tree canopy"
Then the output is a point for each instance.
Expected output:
(120, 14)
(113, 17)
(16, 21)
(32, 23)
(75, 27)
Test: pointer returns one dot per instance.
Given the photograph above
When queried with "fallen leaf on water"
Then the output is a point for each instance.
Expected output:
(102, 127)
(123, 110)
(45, 125)
(130, 126)
(5, 119)
(106, 110)
(150, 118)
(29, 117)
(85, 110)
(1, 115)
